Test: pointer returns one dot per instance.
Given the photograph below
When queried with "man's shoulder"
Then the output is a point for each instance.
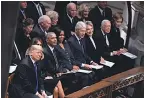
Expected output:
(108, 9)
(71, 39)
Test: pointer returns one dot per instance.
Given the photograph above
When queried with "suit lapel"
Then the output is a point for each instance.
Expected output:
(77, 43)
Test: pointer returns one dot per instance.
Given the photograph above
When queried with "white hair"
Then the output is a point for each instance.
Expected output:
(69, 5)
(89, 23)
(52, 14)
(43, 18)
(80, 25)
(103, 22)
(49, 34)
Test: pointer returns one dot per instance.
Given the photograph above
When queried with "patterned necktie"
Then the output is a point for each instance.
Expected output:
(81, 45)
(103, 13)
(35, 66)
(54, 54)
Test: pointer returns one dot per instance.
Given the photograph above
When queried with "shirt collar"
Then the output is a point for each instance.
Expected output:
(71, 18)
(51, 48)
(100, 9)
(103, 32)
(35, 4)
(32, 60)
(42, 28)
(77, 37)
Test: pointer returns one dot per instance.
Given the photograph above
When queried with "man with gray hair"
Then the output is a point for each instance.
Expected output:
(69, 20)
(77, 46)
(40, 30)
(104, 37)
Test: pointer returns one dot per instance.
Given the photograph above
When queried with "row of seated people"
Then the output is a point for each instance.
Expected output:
(78, 52)
(39, 24)
(69, 18)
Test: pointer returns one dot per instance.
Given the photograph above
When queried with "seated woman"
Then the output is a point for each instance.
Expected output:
(51, 85)
(116, 40)
(23, 37)
(66, 60)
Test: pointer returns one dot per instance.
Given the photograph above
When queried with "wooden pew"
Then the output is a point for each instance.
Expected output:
(104, 88)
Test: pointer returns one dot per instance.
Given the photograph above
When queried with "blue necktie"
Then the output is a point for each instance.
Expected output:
(35, 66)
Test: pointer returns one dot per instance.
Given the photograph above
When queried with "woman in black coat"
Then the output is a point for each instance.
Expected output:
(23, 37)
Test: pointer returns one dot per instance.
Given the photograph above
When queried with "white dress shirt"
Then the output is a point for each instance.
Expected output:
(107, 42)
(38, 7)
(101, 11)
(71, 18)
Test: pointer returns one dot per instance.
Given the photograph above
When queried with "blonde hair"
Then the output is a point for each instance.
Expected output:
(81, 9)
(52, 14)
(34, 47)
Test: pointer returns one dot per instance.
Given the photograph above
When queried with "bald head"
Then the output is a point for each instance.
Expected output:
(71, 9)
(45, 22)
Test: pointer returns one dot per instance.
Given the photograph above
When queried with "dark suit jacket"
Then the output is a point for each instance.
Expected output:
(50, 63)
(93, 53)
(22, 42)
(67, 26)
(65, 56)
(104, 47)
(32, 11)
(96, 17)
(77, 51)
(24, 80)
(115, 38)
(60, 7)
(37, 32)
(21, 18)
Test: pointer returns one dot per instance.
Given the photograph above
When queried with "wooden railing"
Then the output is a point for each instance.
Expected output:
(106, 87)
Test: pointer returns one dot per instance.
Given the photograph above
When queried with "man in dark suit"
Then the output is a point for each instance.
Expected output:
(69, 20)
(60, 7)
(35, 9)
(77, 46)
(103, 36)
(51, 60)
(27, 76)
(40, 30)
(99, 13)
(22, 14)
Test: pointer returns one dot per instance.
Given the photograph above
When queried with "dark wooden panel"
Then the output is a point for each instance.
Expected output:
(105, 88)
(9, 11)
(98, 90)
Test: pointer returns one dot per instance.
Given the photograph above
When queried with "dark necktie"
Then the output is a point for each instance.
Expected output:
(104, 36)
(81, 43)
(103, 13)
(23, 12)
(35, 66)
(54, 54)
